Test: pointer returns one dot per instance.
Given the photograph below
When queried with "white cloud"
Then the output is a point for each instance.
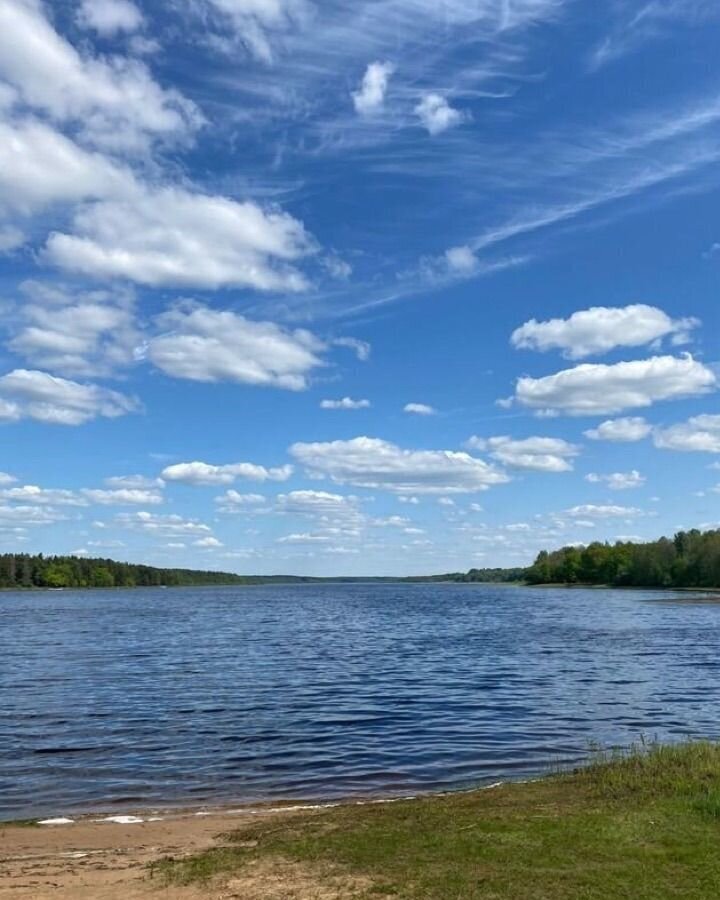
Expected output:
(591, 511)
(235, 502)
(361, 348)
(626, 430)
(27, 394)
(461, 260)
(39, 167)
(6, 479)
(123, 497)
(176, 237)
(11, 238)
(699, 434)
(259, 23)
(370, 97)
(26, 516)
(110, 17)
(436, 114)
(595, 389)
(31, 493)
(318, 503)
(419, 409)
(601, 329)
(161, 526)
(114, 100)
(345, 403)
(134, 482)
(618, 481)
(86, 334)
(304, 537)
(373, 463)
(200, 473)
(207, 542)
(202, 344)
(542, 454)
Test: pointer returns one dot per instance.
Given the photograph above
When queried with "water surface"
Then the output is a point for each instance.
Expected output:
(204, 695)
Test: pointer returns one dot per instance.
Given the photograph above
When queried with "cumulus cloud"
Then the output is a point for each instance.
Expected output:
(30, 394)
(202, 344)
(596, 389)
(461, 260)
(39, 167)
(180, 238)
(6, 479)
(114, 101)
(86, 334)
(161, 526)
(201, 473)
(436, 114)
(370, 96)
(618, 481)
(235, 502)
(419, 409)
(625, 430)
(345, 403)
(591, 511)
(207, 542)
(542, 454)
(21, 516)
(123, 496)
(31, 493)
(319, 504)
(700, 434)
(374, 463)
(134, 482)
(110, 17)
(601, 329)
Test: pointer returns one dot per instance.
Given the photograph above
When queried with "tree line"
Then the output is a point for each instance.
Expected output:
(689, 559)
(22, 570)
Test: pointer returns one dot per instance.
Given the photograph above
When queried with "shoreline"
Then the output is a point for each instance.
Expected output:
(641, 824)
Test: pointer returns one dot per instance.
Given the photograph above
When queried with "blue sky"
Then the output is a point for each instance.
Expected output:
(382, 287)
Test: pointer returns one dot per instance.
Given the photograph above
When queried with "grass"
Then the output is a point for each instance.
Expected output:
(639, 826)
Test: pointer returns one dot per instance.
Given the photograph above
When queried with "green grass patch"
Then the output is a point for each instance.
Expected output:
(639, 826)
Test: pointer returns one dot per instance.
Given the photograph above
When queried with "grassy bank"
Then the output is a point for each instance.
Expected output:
(645, 826)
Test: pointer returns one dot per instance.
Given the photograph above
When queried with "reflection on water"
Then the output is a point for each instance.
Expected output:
(235, 694)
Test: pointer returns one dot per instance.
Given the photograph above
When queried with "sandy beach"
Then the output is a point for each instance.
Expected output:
(97, 859)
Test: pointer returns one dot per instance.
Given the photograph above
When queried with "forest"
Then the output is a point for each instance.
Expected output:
(21, 570)
(689, 559)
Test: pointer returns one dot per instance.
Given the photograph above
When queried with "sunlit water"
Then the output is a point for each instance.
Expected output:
(214, 695)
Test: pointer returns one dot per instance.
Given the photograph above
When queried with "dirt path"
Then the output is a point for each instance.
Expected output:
(102, 860)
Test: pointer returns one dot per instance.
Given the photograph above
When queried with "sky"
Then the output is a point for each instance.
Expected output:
(374, 287)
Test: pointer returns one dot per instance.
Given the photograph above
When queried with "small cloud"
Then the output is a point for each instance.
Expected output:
(436, 114)
(345, 403)
(370, 96)
(419, 409)
(207, 542)
(618, 481)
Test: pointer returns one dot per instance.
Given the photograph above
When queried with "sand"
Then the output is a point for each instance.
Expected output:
(108, 860)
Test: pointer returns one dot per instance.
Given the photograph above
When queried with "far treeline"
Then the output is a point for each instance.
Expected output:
(20, 570)
(690, 559)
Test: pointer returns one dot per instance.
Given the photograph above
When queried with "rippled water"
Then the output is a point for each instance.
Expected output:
(224, 694)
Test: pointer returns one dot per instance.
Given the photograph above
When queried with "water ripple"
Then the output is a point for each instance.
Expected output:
(319, 692)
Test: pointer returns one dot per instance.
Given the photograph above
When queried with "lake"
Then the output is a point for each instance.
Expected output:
(219, 695)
